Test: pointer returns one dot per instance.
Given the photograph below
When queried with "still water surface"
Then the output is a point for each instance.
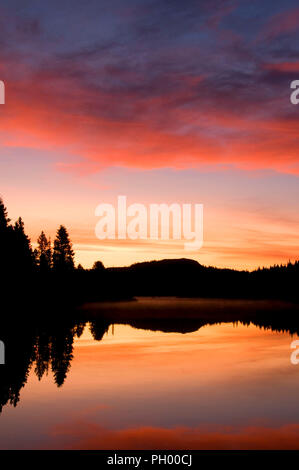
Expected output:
(222, 386)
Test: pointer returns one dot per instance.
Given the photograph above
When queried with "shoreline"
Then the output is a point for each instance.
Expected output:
(168, 308)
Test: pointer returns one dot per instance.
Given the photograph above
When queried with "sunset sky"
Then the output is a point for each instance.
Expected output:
(161, 101)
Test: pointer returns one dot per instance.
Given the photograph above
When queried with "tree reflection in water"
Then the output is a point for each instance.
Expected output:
(47, 345)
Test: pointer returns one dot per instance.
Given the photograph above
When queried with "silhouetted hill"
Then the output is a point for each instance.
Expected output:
(188, 278)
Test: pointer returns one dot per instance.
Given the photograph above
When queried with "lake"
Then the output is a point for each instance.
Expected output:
(95, 385)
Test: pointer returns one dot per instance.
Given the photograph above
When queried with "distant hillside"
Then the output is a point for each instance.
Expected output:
(188, 278)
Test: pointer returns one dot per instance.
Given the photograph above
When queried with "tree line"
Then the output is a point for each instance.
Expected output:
(47, 272)
(18, 256)
(51, 269)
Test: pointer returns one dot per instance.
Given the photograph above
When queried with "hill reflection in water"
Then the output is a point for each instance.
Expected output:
(45, 342)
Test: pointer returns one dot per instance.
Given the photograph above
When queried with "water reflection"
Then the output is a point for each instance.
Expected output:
(46, 344)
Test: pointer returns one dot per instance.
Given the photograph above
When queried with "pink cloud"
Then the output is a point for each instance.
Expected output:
(281, 23)
(283, 67)
(98, 128)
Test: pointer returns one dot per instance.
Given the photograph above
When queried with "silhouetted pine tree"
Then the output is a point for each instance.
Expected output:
(43, 254)
(16, 256)
(63, 255)
(4, 220)
(5, 239)
(23, 258)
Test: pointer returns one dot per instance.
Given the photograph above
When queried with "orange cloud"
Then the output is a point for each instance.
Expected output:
(82, 435)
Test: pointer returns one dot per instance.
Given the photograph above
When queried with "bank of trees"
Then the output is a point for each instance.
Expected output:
(18, 256)
(50, 268)
(47, 271)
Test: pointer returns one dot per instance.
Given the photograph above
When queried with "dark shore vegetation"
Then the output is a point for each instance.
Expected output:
(48, 275)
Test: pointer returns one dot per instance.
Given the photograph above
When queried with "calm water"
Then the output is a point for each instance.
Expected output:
(222, 386)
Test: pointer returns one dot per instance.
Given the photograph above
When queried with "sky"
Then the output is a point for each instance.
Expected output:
(164, 102)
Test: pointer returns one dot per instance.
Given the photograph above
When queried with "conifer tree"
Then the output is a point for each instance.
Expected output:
(22, 256)
(6, 241)
(4, 220)
(63, 255)
(43, 253)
